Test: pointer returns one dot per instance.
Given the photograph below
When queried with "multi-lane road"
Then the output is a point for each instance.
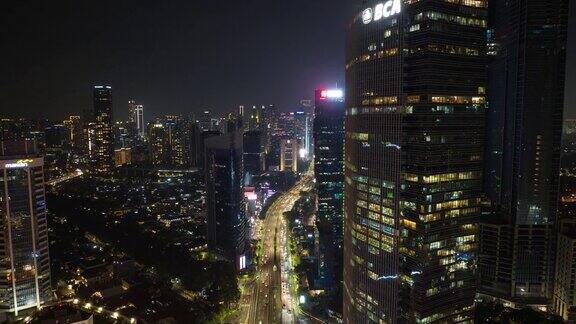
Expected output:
(268, 297)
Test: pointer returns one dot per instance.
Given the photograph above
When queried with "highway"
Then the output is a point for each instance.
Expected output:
(64, 178)
(268, 298)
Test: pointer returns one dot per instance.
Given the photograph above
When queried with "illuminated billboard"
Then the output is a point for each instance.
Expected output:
(331, 94)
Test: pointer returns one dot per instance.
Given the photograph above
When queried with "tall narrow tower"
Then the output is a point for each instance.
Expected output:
(328, 170)
(100, 131)
(228, 227)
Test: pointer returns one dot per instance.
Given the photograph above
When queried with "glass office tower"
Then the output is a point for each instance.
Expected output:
(527, 47)
(415, 106)
(328, 133)
(228, 227)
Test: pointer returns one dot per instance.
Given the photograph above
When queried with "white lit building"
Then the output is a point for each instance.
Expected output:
(24, 256)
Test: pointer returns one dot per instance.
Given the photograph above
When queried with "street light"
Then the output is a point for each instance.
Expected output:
(302, 299)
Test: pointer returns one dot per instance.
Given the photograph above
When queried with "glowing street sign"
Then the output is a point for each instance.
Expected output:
(381, 10)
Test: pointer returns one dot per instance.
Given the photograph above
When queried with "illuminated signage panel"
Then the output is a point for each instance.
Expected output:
(332, 94)
(381, 10)
(18, 164)
(15, 165)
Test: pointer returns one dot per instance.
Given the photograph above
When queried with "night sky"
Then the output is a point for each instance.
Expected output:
(176, 56)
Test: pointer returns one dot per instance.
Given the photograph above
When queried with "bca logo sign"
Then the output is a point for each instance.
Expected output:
(381, 10)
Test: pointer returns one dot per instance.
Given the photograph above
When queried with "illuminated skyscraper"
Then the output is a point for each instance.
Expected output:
(158, 144)
(136, 117)
(527, 40)
(415, 100)
(228, 227)
(328, 170)
(100, 131)
(25, 265)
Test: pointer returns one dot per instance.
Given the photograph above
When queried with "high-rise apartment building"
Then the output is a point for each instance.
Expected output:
(24, 249)
(289, 155)
(159, 144)
(228, 227)
(100, 131)
(270, 117)
(415, 100)
(123, 156)
(328, 134)
(527, 47)
(172, 142)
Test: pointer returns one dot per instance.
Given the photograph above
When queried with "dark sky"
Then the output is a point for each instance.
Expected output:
(175, 56)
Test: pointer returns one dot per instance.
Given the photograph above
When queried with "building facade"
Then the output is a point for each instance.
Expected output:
(328, 135)
(228, 227)
(415, 106)
(564, 296)
(527, 49)
(25, 283)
